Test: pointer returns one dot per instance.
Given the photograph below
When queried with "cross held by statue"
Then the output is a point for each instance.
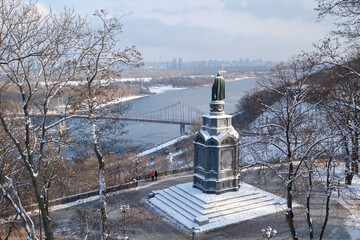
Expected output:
(222, 70)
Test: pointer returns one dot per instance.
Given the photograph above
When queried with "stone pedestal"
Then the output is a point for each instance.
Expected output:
(216, 152)
(214, 200)
(193, 208)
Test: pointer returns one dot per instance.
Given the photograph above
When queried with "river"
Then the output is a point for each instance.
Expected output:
(147, 135)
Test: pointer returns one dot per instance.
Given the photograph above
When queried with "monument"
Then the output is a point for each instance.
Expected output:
(216, 147)
(215, 198)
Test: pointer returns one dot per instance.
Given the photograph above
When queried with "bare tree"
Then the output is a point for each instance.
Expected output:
(39, 56)
(346, 15)
(101, 54)
(340, 58)
(329, 153)
(343, 111)
(10, 193)
(35, 59)
(288, 132)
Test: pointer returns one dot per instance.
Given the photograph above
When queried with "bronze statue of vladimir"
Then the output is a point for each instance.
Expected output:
(218, 88)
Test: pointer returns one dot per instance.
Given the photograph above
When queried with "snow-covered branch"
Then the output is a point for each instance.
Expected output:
(16, 204)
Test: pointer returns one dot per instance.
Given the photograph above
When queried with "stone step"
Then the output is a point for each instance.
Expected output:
(174, 207)
(181, 198)
(191, 211)
(240, 209)
(234, 198)
(188, 196)
(235, 205)
(243, 199)
(178, 216)
(214, 206)
(178, 205)
(193, 198)
(191, 207)
(211, 203)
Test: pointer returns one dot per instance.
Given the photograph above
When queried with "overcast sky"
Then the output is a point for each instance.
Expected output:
(211, 29)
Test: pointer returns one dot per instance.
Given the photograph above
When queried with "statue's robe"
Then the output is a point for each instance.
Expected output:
(218, 89)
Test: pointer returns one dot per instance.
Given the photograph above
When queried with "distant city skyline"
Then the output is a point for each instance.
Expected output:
(178, 63)
(211, 29)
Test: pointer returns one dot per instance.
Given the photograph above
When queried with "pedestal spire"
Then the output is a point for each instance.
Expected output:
(216, 146)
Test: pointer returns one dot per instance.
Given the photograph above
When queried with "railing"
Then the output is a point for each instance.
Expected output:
(145, 177)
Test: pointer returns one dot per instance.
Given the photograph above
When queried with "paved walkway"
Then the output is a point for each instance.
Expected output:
(145, 222)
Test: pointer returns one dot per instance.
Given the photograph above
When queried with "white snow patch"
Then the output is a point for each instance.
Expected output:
(163, 145)
(164, 88)
(75, 203)
(121, 99)
(239, 79)
(350, 199)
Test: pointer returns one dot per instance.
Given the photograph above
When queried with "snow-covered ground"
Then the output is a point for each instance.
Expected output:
(164, 88)
(350, 199)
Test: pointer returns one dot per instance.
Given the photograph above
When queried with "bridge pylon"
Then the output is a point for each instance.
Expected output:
(182, 129)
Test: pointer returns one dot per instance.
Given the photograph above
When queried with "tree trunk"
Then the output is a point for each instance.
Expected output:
(289, 213)
(355, 159)
(308, 217)
(348, 173)
(43, 207)
(102, 195)
(329, 190)
(102, 183)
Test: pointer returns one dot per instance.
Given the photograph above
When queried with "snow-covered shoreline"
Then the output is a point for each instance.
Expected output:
(239, 79)
(153, 90)
(164, 88)
(156, 90)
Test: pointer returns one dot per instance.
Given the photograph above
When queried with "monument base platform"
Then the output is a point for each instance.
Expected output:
(193, 208)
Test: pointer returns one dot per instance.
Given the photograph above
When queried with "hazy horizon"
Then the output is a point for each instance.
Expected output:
(211, 29)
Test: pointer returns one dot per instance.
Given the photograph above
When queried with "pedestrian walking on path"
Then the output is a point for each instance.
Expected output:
(156, 175)
(152, 175)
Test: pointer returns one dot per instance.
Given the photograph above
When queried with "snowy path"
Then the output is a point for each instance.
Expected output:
(163, 145)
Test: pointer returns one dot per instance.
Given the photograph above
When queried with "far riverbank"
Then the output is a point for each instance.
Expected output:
(159, 90)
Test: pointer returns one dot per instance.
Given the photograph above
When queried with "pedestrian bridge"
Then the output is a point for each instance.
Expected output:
(180, 113)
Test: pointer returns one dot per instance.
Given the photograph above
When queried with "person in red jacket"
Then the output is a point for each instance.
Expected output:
(152, 175)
